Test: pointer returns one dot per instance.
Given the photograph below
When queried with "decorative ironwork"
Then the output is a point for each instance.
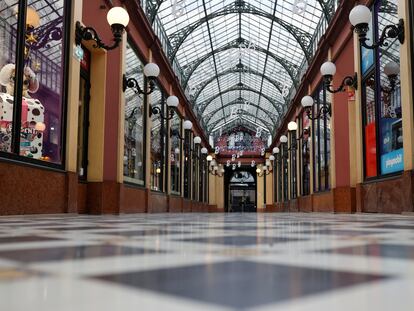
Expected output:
(89, 33)
(347, 81)
(389, 32)
(132, 83)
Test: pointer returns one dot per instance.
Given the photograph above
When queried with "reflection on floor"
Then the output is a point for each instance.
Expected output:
(207, 262)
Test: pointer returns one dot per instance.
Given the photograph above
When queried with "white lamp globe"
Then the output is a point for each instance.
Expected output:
(197, 140)
(392, 69)
(213, 163)
(209, 158)
(40, 127)
(258, 170)
(204, 150)
(328, 69)
(283, 139)
(265, 168)
(268, 162)
(292, 126)
(272, 158)
(177, 150)
(276, 150)
(117, 16)
(188, 125)
(360, 15)
(151, 70)
(172, 101)
(307, 101)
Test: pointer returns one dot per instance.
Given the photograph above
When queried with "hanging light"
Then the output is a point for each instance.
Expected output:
(151, 71)
(283, 139)
(328, 70)
(292, 126)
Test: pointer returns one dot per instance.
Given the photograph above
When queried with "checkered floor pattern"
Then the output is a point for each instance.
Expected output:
(208, 262)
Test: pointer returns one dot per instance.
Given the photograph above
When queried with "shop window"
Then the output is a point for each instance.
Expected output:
(187, 165)
(285, 171)
(134, 142)
(175, 156)
(304, 154)
(321, 134)
(32, 80)
(383, 136)
(157, 141)
(293, 166)
(196, 172)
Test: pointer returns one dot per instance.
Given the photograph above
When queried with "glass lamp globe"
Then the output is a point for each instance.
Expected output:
(158, 170)
(292, 126)
(307, 101)
(209, 158)
(360, 15)
(204, 150)
(177, 150)
(118, 16)
(151, 70)
(40, 127)
(328, 69)
(188, 125)
(32, 18)
(172, 101)
(272, 158)
(283, 139)
(392, 69)
(197, 140)
(213, 162)
(258, 170)
(276, 150)
(265, 168)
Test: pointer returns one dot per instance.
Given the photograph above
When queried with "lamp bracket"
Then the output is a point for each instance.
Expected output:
(389, 32)
(89, 33)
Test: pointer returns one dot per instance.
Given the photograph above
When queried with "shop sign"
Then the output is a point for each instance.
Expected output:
(392, 162)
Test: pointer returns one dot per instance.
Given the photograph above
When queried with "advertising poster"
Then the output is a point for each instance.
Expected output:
(392, 152)
(370, 151)
(367, 55)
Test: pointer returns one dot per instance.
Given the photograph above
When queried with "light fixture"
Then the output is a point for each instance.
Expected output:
(118, 19)
(204, 150)
(197, 140)
(276, 150)
(272, 158)
(158, 170)
(151, 71)
(283, 139)
(292, 126)
(328, 70)
(177, 150)
(216, 170)
(209, 158)
(391, 70)
(172, 104)
(360, 17)
(263, 172)
(308, 103)
(188, 125)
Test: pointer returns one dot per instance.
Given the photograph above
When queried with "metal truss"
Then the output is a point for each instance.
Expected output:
(240, 101)
(268, 126)
(242, 87)
(190, 68)
(238, 69)
(239, 7)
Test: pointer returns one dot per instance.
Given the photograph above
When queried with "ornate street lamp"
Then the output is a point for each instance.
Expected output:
(308, 103)
(118, 19)
(172, 104)
(328, 70)
(151, 71)
(361, 16)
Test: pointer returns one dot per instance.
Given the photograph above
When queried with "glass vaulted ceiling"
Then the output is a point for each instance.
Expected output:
(239, 61)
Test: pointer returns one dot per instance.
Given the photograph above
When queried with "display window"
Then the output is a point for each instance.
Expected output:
(293, 165)
(32, 80)
(321, 135)
(158, 150)
(175, 156)
(383, 135)
(187, 164)
(134, 142)
(304, 126)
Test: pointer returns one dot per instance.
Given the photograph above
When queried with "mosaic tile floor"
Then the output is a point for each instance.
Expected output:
(210, 262)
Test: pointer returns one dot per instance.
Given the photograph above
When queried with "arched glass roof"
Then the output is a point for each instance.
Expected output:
(239, 60)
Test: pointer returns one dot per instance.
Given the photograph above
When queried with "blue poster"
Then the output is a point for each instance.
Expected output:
(392, 162)
(367, 55)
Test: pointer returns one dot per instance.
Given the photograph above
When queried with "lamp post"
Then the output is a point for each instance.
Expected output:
(328, 70)
(308, 103)
(118, 19)
(172, 105)
(391, 70)
(360, 17)
(151, 71)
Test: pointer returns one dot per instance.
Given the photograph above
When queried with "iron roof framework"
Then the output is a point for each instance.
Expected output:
(232, 52)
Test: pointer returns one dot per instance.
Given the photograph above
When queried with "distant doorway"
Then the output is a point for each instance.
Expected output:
(241, 192)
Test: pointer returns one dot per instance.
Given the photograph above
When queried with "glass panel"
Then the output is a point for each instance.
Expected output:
(368, 91)
(305, 154)
(187, 165)
(134, 122)
(157, 142)
(175, 155)
(8, 29)
(42, 106)
(391, 134)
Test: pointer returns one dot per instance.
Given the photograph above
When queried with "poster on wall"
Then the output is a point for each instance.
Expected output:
(392, 152)
(370, 151)
(367, 55)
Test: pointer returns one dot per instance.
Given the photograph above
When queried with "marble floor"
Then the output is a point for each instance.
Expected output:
(210, 262)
